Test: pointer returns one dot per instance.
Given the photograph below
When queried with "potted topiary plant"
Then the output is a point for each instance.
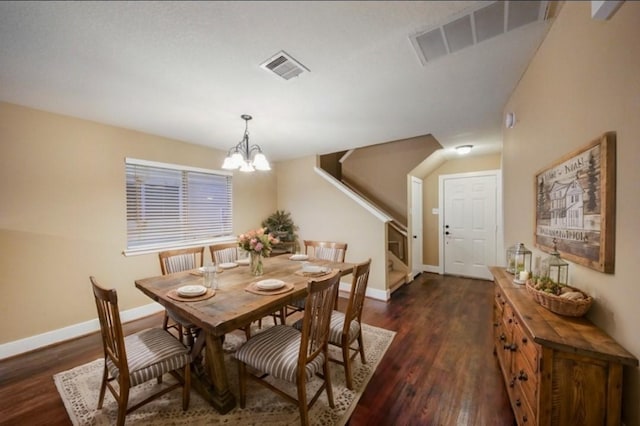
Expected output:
(281, 225)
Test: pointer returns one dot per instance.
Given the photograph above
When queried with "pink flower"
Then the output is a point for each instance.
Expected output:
(257, 241)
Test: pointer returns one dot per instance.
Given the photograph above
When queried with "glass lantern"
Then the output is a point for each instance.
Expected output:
(518, 259)
(556, 268)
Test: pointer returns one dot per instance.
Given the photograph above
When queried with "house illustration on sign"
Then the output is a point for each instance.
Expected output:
(567, 205)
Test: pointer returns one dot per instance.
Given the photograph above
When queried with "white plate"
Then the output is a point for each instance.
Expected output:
(245, 261)
(299, 257)
(314, 269)
(270, 284)
(228, 265)
(204, 269)
(191, 290)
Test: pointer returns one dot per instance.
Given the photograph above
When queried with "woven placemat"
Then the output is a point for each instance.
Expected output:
(253, 288)
(312, 274)
(173, 294)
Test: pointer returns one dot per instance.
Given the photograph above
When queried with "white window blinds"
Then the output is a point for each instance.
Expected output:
(170, 206)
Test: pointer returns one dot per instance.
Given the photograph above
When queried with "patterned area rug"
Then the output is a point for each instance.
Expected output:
(80, 386)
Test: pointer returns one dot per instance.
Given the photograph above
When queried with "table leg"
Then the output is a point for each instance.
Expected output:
(212, 382)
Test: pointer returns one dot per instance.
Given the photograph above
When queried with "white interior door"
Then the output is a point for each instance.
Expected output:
(469, 224)
(417, 264)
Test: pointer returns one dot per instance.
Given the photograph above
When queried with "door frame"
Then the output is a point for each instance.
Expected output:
(416, 207)
(499, 219)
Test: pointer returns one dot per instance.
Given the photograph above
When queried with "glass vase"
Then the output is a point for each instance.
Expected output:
(256, 264)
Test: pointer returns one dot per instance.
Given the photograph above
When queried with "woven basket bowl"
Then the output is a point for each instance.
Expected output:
(560, 305)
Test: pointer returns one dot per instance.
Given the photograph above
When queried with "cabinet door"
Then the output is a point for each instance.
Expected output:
(580, 393)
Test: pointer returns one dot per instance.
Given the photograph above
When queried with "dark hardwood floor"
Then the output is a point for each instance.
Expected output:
(439, 370)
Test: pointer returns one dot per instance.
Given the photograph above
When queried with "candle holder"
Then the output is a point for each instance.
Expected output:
(518, 259)
(555, 268)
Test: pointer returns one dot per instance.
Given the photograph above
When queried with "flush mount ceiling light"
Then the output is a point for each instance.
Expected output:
(244, 157)
(464, 149)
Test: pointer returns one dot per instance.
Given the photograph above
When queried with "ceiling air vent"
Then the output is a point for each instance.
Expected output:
(476, 25)
(284, 65)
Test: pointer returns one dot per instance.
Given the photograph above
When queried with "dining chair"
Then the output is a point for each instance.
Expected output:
(294, 355)
(224, 252)
(137, 358)
(324, 250)
(176, 261)
(346, 328)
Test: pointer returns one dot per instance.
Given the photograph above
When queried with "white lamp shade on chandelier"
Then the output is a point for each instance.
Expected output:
(244, 157)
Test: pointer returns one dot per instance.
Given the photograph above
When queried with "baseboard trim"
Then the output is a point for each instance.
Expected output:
(27, 344)
(372, 293)
(431, 268)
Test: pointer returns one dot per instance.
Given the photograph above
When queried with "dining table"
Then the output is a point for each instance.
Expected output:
(234, 304)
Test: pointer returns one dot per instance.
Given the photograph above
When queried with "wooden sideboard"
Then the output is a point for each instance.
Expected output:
(558, 370)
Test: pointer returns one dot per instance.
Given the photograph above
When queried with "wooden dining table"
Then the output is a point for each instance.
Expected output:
(231, 308)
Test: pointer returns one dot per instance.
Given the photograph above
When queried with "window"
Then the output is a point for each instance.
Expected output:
(171, 206)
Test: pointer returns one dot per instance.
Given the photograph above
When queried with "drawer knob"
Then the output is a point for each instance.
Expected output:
(510, 347)
(503, 337)
(523, 376)
(524, 340)
(518, 402)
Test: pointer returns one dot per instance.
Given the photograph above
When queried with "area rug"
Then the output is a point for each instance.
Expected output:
(79, 389)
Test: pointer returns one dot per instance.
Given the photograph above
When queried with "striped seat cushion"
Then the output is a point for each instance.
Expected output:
(275, 351)
(150, 354)
(335, 332)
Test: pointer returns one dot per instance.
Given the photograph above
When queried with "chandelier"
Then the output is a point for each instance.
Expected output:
(244, 157)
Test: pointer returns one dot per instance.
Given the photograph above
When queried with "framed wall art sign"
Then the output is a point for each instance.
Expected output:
(576, 202)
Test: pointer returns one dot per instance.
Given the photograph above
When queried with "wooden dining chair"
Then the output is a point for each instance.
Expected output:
(346, 328)
(224, 252)
(137, 358)
(176, 261)
(294, 355)
(324, 250)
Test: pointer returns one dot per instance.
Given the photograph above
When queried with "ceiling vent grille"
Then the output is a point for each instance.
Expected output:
(475, 26)
(283, 65)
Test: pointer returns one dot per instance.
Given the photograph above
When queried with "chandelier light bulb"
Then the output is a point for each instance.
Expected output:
(242, 158)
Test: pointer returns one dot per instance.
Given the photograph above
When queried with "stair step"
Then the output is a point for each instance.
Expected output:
(396, 279)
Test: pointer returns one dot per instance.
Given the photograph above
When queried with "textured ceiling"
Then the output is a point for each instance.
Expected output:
(188, 70)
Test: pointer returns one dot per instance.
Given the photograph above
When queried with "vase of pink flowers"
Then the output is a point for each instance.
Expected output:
(258, 243)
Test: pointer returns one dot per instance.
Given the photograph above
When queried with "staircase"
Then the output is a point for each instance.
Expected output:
(358, 172)
(396, 272)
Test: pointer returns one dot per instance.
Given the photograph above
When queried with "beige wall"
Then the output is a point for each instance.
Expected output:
(430, 192)
(324, 213)
(62, 215)
(584, 81)
(380, 171)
